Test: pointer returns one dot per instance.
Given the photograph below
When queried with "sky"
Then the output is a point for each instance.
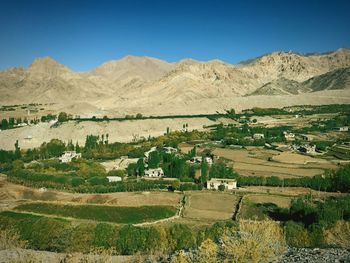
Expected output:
(84, 34)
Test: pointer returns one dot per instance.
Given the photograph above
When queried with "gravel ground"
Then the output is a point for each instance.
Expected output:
(316, 255)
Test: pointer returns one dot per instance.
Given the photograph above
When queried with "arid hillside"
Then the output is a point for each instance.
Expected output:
(132, 84)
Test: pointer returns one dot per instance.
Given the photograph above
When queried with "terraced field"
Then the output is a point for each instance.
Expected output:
(104, 213)
(209, 206)
(257, 161)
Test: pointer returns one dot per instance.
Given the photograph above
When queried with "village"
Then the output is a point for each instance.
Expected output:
(237, 167)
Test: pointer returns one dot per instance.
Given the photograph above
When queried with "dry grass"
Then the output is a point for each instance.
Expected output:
(338, 235)
(285, 191)
(210, 206)
(257, 161)
(259, 241)
(9, 239)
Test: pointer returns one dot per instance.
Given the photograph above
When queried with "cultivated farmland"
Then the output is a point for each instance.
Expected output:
(113, 214)
(264, 162)
(209, 206)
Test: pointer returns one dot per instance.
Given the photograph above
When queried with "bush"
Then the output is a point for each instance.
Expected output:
(76, 181)
(338, 235)
(98, 180)
(258, 241)
(62, 117)
(296, 235)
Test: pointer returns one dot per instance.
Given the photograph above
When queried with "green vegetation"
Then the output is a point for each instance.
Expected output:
(332, 181)
(52, 234)
(307, 220)
(114, 214)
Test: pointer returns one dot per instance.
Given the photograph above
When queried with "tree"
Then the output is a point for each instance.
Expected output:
(17, 165)
(204, 171)
(77, 148)
(221, 187)
(76, 181)
(11, 121)
(17, 151)
(62, 117)
(54, 148)
(132, 169)
(153, 159)
(140, 167)
(138, 116)
(4, 124)
(192, 153)
(70, 146)
(91, 142)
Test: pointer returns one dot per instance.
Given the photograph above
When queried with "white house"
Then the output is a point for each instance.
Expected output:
(68, 156)
(229, 184)
(170, 150)
(157, 172)
(306, 148)
(289, 135)
(258, 136)
(114, 179)
(22, 124)
(198, 160)
(342, 129)
(306, 137)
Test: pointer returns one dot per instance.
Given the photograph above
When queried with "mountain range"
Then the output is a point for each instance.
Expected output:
(139, 83)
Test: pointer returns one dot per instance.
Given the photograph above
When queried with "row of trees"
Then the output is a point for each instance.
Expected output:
(332, 181)
(12, 122)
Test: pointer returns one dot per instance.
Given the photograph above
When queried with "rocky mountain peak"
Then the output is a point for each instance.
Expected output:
(47, 66)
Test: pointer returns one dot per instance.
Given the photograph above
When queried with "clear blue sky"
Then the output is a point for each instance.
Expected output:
(83, 34)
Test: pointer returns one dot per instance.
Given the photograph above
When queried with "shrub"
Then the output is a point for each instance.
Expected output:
(296, 235)
(208, 252)
(76, 181)
(98, 180)
(257, 241)
(10, 239)
(338, 235)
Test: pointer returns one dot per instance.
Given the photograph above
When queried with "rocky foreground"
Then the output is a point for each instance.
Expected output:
(300, 255)
(316, 255)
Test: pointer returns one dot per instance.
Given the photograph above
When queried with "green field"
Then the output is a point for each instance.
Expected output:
(122, 215)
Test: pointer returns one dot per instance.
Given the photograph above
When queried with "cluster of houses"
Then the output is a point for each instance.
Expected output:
(68, 156)
(124, 161)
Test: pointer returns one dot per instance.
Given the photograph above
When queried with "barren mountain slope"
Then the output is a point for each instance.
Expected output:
(192, 80)
(296, 67)
(280, 86)
(138, 82)
(336, 79)
(47, 81)
(130, 72)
